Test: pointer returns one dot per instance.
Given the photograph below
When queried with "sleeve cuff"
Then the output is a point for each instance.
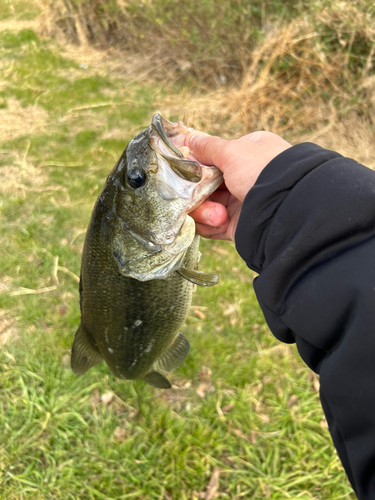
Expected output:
(265, 197)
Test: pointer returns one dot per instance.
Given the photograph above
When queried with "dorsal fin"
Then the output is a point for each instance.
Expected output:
(84, 355)
(156, 379)
(174, 356)
(199, 278)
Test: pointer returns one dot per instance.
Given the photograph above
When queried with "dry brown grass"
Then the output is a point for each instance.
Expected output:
(8, 329)
(293, 85)
(16, 120)
(302, 80)
(294, 89)
(78, 22)
(19, 24)
(19, 175)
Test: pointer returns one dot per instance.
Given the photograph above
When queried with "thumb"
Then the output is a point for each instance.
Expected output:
(208, 149)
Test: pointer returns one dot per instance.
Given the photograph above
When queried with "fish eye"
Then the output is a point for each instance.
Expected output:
(136, 178)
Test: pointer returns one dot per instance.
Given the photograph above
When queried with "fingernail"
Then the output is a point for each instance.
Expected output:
(191, 139)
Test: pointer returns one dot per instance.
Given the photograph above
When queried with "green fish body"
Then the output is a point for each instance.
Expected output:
(139, 262)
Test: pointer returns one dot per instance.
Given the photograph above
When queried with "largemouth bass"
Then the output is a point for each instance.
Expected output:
(139, 260)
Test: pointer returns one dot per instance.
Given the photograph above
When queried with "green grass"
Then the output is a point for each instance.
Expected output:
(18, 10)
(240, 402)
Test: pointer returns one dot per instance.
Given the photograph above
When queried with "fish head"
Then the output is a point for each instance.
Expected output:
(157, 186)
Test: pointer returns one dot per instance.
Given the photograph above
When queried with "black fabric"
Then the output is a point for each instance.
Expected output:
(308, 228)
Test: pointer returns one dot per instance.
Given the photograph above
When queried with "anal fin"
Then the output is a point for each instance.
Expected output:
(156, 379)
(198, 277)
(174, 356)
(84, 356)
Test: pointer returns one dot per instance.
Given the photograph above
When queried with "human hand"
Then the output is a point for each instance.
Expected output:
(241, 161)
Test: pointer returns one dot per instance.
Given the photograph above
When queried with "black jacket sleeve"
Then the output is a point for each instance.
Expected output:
(308, 228)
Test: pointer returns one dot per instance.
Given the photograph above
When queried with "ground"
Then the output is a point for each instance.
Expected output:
(243, 419)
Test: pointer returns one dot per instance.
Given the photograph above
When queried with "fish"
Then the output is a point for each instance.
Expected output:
(140, 258)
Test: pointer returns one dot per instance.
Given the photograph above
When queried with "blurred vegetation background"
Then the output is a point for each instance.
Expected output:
(78, 79)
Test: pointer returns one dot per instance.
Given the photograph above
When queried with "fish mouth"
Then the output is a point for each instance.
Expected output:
(179, 177)
(186, 169)
(180, 174)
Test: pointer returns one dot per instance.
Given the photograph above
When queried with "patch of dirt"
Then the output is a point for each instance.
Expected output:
(8, 329)
(14, 176)
(114, 133)
(90, 59)
(16, 120)
(5, 283)
(18, 25)
(135, 68)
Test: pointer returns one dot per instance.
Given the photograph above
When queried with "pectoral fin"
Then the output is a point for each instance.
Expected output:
(84, 355)
(199, 278)
(156, 379)
(174, 356)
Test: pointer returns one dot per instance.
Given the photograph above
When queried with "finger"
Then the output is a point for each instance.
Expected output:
(205, 232)
(208, 149)
(210, 213)
(211, 232)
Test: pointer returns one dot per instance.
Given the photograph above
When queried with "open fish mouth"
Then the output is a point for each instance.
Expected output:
(180, 175)
(186, 169)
